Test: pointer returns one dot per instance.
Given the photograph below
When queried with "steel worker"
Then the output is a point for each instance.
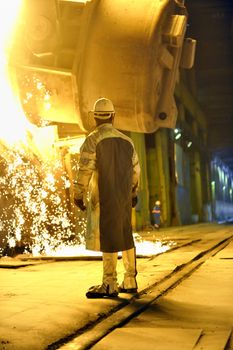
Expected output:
(106, 186)
(156, 212)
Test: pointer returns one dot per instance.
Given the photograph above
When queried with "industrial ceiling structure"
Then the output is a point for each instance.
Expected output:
(211, 24)
(67, 62)
(79, 50)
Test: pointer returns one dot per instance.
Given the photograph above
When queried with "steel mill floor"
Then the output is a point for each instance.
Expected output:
(184, 299)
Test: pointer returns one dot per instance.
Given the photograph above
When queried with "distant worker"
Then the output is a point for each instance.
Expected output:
(156, 212)
(108, 177)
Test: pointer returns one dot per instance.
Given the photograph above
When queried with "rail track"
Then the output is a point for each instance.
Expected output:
(151, 290)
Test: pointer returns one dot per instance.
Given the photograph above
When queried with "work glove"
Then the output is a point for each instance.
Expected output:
(79, 203)
(134, 201)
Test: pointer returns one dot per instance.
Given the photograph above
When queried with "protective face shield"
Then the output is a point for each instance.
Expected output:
(103, 108)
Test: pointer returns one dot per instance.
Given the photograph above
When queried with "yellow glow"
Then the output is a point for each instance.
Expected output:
(43, 139)
(47, 105)
(143, 248)
(47, 97)
(35, 202)
(9, 11)
(13, 121)
(74, 143)
(39, 85)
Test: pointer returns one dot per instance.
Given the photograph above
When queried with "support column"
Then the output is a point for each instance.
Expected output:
(153, 177)
(196, 180)
(161, 149)
(142, 209)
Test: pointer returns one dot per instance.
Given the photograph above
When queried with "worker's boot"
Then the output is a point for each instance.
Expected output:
(101, 291)
(129, 284)
(109, 287)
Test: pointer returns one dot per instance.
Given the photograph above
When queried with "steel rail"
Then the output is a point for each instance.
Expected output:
(91, 334)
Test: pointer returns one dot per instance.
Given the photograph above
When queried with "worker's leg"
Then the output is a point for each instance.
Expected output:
(109, 271)
(129, 283)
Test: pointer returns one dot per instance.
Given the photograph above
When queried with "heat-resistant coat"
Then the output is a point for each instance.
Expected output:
(108, 176)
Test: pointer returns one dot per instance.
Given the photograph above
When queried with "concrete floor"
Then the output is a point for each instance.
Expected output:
(45, 302)
(197, 314)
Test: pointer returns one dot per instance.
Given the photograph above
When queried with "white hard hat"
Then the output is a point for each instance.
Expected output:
(157, 202)
(103, 108)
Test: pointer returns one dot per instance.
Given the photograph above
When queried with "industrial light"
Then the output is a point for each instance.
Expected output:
(189, 144)
(178, 136)
(177, 132)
